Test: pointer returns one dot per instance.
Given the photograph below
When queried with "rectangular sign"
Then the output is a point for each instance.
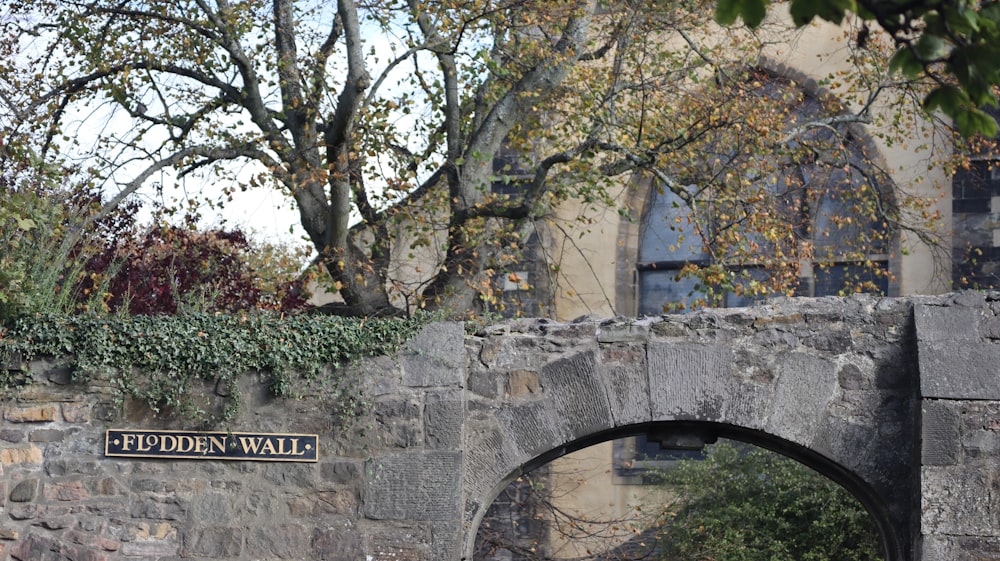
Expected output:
(211, 445)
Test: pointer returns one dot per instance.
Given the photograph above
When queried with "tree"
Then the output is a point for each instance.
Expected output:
(749, 504)
(961, 38)
(384, 119)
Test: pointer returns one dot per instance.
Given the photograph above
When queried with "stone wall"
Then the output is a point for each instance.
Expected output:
(61, 499)
(959, 347)
(898, 398)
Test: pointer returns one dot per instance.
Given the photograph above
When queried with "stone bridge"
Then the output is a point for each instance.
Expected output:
(896, 399)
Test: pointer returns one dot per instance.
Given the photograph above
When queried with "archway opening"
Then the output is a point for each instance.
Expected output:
(685, 491)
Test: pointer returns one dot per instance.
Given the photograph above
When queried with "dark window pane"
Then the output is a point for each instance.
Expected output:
(831, 281)
(663, 237)
(660, 288)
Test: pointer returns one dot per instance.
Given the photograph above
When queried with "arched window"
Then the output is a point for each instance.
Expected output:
(802, 215)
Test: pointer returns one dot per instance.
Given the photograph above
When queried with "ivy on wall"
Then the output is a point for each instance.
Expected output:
(159, 360)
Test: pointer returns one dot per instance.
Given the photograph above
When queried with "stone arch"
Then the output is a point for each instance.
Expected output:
(839, 399)
(707, 432)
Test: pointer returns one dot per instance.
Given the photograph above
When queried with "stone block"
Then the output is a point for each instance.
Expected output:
(534, 428)
(37, 548)
(489, 458)
(213, 542)
(56, 523)
(342, 471)
(414, 486)
(92, 540)
(150, 549)
(576, 393)
(484, 384)
(962, 499)
(336, 544)
(76, 412)
(65, 491)
(157, 506)
(324, 503)
(804, 388)
(966, 371)
(626, 381)
(30, 414)
(624, 331)
(20, 456)
(25, 491)
(522, 383)
(22, 511)
(444, 412)
(935, 324)
(12, 435)
(435, 356)
(940, 436)
(46, 435)
(278, 541)
(689, 380)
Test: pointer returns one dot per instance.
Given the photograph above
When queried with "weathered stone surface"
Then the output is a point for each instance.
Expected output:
(91, 540)
(522, 383)
(25, 491)
(279, 541)
(576, 393)
(435, 357)
(157, 506)
(76, 412)
(65, 491)
(339, 501)
(12, 435)
(150, 549)
(453, 418)
(341, 471)
(805, 387)
(940, 439)
(959, 548)
(626, 383)
(443, 416)
(46, 435)
(30, 414)
(336, 544)
(534, 428)
(414, 486)
(18, 456)
(37, 548)
(967, 371)
(961, 500)
(689, 380)
(214, 542)
(484, 384)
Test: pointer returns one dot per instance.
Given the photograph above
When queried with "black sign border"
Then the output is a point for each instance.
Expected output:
(167, 456)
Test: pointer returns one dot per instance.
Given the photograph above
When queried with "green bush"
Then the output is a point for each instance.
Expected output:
(744, 503)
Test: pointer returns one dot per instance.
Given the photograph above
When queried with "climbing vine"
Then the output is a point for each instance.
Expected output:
(159, 360)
